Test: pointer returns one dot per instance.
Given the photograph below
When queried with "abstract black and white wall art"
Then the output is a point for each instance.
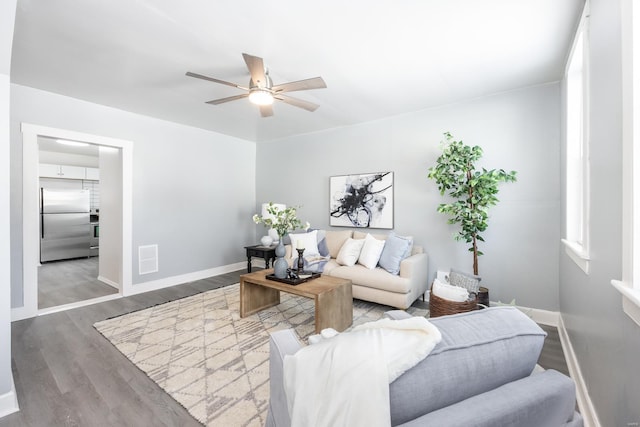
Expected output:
(364, 200)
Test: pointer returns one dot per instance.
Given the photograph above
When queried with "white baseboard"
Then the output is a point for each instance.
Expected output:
(544, 317)
(154, 285)
(587, 410)
(109, 282)
(9, 401)
(78, 304)
(21, 313)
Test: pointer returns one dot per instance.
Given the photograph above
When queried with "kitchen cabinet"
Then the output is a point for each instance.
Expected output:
(49, 171)
(92, 173)
(68, 172)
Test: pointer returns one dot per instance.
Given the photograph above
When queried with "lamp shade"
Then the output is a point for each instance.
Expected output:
(266, 214)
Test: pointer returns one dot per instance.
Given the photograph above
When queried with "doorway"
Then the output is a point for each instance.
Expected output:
(116, 258)
(68, 273)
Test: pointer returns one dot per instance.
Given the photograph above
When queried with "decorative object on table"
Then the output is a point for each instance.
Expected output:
(364, 200)
(282, 220)
(293, 277)
(266, 240)
(474, 191)
(280, 265)
(300, 259)
(271, 232)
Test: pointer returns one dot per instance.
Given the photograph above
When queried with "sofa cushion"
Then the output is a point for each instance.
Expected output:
(371, 251)
(349, 252)
(480, 351)
(377, 278)
(335, 240)
(395, 250)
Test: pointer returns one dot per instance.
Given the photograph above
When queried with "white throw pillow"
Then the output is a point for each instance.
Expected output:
(308, 240)
(349, 252)
(371, 251)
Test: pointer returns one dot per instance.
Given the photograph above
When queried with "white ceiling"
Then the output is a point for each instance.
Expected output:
(378, 57)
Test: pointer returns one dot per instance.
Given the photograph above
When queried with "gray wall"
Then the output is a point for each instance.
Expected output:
(111, 221)
(605, 340)
(193, 190)
(518, 130)
(7, 15)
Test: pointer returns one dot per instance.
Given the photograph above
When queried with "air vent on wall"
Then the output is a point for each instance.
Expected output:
(147, 259)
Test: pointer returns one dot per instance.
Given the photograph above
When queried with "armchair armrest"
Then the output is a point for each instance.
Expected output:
(281, 343)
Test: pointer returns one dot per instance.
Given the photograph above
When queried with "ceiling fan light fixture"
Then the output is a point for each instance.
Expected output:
(261, 97)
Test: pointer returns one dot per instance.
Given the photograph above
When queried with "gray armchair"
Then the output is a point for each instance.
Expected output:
(480, 374)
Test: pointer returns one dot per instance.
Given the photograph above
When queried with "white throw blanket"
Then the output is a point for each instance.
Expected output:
(449, 292)
(344, 380)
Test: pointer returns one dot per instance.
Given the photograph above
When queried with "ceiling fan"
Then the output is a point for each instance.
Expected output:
(261, 90)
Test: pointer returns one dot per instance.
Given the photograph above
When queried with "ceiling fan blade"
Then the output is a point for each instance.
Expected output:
(256, 69)
(227, 99)
(314, 83)
(211, 79)
(266, 110)
(309, 106)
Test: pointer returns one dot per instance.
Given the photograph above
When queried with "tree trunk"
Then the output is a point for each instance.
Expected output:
(475, 255)
(475, 241)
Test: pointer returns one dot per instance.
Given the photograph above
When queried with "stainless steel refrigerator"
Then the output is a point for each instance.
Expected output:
(64, 224)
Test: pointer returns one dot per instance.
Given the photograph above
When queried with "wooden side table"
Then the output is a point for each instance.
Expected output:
(259, 251)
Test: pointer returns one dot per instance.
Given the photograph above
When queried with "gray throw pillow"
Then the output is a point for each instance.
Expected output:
(468, 281)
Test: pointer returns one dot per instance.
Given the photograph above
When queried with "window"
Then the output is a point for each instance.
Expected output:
(629, 286)
(577, 156)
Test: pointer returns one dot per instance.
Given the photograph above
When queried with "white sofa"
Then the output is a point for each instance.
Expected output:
(377, 285)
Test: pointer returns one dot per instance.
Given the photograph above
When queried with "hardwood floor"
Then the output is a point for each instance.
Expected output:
(68, 281)
(67, 374)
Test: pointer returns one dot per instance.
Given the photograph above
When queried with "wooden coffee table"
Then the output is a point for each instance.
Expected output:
(333, 297)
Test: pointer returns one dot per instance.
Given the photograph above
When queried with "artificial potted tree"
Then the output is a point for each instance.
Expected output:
(473, 191)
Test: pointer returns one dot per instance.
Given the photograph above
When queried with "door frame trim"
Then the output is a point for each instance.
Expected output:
(30, 210)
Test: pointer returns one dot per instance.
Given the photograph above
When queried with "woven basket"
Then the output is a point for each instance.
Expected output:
(441, 307)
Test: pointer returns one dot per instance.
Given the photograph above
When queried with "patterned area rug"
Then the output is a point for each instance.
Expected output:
(206, 357)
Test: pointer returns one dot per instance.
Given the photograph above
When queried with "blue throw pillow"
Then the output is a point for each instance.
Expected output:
(323, 249)
(395, 250)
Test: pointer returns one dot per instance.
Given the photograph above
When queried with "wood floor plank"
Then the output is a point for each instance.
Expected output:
(68, 281)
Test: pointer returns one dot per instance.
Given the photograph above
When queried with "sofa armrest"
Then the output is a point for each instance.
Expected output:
(544, 399)
(281, 343)
(416, 269)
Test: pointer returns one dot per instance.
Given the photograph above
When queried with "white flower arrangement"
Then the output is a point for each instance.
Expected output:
(281, 220)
